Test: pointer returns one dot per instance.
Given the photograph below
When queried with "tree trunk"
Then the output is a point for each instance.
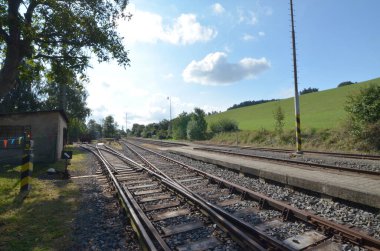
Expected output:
(10, 68)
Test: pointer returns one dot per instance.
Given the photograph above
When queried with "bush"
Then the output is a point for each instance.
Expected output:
(279, 117)
(224, 125)
(364, 121)
(194, 131)
(365, 107)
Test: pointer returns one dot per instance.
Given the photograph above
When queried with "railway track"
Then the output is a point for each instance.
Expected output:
(289, 161)
(267, 149)
(248, 205)
(168, 216)
(307, 152)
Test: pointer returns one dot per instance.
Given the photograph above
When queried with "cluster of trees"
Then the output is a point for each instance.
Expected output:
(346, 83)
(45, 49)
(158, 130)
(192, 126)
(308, 90)
(107, 129)
(248, 103)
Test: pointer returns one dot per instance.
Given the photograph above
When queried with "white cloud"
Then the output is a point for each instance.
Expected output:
(248, 37)
(261, 34)
(248, 17)
(217, 8)
(215, 70)
(148, 27)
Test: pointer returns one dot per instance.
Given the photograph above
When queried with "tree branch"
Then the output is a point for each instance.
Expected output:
(58, 57)
(29, 12)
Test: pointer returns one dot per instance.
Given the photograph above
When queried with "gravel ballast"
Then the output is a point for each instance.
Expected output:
(99, 225)
(339, 212)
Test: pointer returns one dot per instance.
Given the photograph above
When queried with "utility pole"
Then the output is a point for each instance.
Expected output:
(170, 116)
(296, 94)
(126, 124)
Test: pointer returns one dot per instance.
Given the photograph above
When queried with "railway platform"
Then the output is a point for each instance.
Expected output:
(358, 188)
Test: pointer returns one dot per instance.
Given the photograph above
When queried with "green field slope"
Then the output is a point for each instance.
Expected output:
(319, 110)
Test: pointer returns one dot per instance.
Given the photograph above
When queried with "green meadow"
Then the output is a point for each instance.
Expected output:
(319, 110)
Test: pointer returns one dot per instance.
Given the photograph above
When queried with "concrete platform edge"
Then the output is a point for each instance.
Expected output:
(372, 200)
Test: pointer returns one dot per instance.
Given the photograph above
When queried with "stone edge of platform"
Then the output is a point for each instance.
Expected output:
(372, 200)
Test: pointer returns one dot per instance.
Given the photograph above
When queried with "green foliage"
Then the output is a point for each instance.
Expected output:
(197, 126)
(179, 125)
(308, 90)
(194, 131)
(137, 130)
(94, 129)
(76, 129)
(69, 32)
(364, 122)
(345, 83)
(279, 117)
(109, 127)
(65, 92)
(249, 103)
(224, 125)
(21, 98)
(365, 107)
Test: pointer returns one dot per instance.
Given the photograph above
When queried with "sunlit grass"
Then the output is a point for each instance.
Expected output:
(42, 221)
(320, 110)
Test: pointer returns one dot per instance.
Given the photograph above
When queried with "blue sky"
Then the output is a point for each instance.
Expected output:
(213, 54)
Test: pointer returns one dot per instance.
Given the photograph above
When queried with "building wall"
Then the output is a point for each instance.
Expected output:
(61, 141)
(47, 129)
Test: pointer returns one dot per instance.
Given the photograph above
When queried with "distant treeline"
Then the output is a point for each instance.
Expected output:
(248, 103)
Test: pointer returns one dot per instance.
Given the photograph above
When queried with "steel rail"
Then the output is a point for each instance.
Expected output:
(268, 149)
(293, 162)
(129, 205)
(256, 234)
(287, 210)
(246, 241)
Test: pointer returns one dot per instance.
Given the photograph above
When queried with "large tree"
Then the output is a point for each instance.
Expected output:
(67, 31)
(109, 127)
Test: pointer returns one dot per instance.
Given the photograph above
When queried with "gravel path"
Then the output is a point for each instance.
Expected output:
(99, 225)
(364, 220)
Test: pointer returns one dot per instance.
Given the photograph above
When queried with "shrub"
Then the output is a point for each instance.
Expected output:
(279, 117)
(224, 125)
(194, 131)
(364, 121)
(365, 107)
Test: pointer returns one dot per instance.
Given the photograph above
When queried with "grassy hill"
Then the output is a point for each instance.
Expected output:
(319, 110)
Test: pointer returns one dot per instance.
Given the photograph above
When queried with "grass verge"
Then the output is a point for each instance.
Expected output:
(312, 139)
(42, 221)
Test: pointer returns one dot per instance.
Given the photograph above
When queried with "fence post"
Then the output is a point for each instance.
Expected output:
(27, 161)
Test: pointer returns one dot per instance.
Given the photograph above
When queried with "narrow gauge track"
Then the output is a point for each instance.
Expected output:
(319, 233)
(288, 161)
(268, 149)
(279, 150)
(168, 217)
(159, 142)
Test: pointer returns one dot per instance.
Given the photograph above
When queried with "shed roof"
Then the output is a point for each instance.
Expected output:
(63, 114)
